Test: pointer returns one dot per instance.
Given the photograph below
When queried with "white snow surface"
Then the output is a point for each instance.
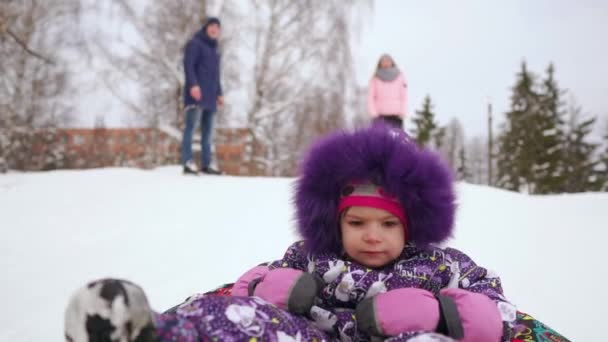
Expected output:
(176, 236)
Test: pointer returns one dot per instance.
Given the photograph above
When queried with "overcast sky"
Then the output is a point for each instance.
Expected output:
(462, 52)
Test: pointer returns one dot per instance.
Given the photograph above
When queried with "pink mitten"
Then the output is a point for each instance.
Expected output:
(397, 311)
(287, 288)
(460, 314)
(290, 289)
(241, 286)
(479, 315)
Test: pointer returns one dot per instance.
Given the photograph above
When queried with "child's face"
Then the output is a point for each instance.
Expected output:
(372, 237)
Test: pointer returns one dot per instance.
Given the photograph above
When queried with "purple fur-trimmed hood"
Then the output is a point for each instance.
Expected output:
(418, 177)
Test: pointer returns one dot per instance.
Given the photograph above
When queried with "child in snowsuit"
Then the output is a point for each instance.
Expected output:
(371, 208)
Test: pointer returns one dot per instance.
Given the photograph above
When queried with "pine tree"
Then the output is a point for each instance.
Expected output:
(439, 137)
(603, 169)
(425, 125)
(548, 145)
(581, 172)
(514, 159)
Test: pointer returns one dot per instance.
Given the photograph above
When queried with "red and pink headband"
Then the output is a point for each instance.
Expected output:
(366, 194)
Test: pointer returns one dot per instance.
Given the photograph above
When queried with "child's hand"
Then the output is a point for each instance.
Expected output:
(242, 285)
(289, 289)
(480, 317)
(398, 311)
(411, 309)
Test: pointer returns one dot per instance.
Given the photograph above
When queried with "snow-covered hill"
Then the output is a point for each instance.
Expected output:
(177, 235)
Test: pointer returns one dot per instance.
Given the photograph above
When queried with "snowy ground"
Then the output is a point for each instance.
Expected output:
(178, 235)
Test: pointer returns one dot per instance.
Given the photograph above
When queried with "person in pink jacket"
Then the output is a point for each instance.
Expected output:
(387, 96)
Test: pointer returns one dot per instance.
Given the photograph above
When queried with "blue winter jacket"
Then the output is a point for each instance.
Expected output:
(202, 68)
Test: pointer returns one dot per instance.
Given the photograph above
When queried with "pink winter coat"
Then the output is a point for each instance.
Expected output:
(387, 98)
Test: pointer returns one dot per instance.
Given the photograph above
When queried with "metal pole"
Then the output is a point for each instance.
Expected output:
(490, 138)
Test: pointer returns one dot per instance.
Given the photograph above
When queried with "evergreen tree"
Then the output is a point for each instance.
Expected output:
(603, 169)
(548, 145)
(514, 159)
(424, 124)
(531, 143)
(581, 168)
(439, 137)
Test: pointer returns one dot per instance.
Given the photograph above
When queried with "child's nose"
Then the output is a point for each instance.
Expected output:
(372, 234)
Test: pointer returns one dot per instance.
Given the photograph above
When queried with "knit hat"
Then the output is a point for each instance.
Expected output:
(367, 194)
(211, 21)
(387, 157)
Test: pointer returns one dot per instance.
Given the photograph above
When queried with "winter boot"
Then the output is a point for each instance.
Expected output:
(190, 168)
(211, 171)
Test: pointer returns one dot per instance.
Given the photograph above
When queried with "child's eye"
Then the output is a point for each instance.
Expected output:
(391, 224)
(355, 223)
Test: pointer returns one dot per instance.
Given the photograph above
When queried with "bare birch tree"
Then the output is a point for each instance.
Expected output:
(35, 71)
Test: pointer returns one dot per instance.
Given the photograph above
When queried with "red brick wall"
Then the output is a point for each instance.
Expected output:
(231, 148)
(113, 147)
(141, 147)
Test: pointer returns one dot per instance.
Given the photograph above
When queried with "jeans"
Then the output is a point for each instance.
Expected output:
(193, 113)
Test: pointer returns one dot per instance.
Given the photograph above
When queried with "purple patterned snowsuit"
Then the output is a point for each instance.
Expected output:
(225, 318)
(422, 183)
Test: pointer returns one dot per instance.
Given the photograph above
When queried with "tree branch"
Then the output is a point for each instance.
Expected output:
(24, 46)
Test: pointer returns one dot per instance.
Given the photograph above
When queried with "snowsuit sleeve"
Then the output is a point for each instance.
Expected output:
(294, 257)
(190, 56)
(471, 277)
(287, 271)
(371, 98)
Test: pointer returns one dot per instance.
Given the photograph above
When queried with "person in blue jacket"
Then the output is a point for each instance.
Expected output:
(202, 93)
